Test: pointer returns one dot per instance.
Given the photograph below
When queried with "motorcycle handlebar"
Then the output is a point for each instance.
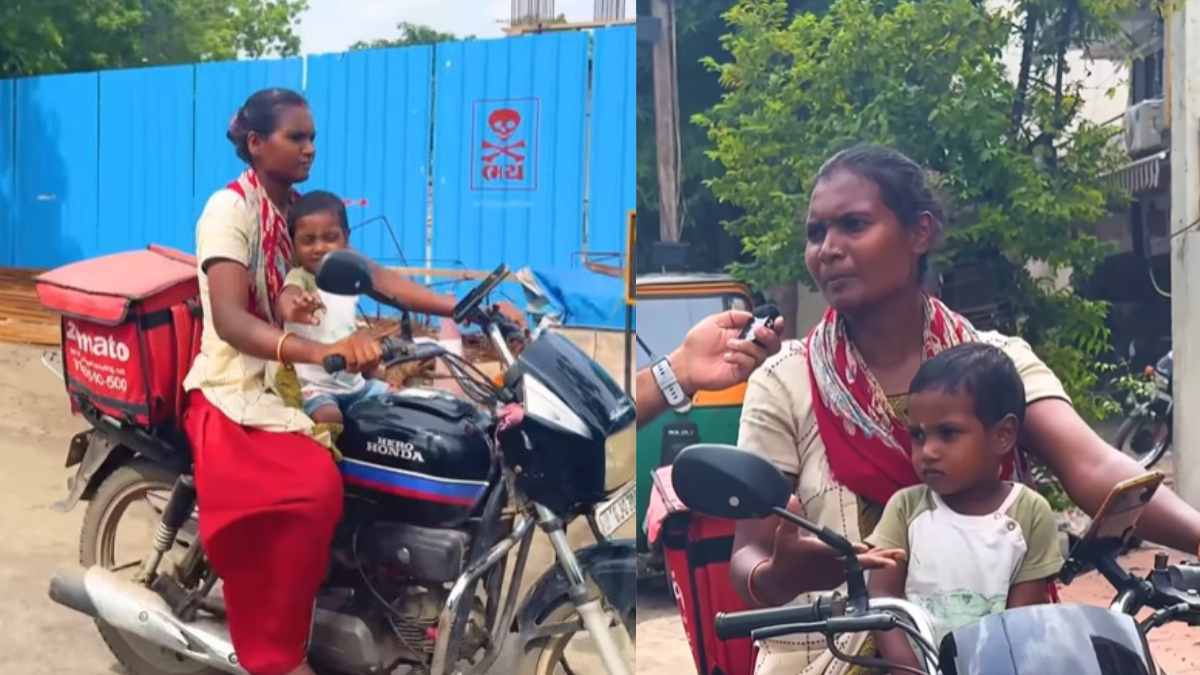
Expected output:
(881, 621)
(395, 350)
(334, 363)
(508, 328)
(741, 624)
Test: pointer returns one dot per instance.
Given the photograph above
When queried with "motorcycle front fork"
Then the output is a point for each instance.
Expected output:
(587, 601)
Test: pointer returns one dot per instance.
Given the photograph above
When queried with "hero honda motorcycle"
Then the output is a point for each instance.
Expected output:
(439, 492)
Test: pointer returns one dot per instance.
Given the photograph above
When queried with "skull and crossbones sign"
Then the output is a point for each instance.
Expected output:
(504, 123)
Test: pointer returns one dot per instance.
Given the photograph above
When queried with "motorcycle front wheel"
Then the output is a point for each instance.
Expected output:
(571, 651)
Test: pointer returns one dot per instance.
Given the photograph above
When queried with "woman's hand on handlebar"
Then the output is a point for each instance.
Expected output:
(361, 350)
(509, 311)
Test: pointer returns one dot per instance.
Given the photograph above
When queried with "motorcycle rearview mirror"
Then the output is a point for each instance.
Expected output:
(344, 272)
(728, 482)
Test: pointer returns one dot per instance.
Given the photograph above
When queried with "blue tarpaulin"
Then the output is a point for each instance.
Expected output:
(583, 299)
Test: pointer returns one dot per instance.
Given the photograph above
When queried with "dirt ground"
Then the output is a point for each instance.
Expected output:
(662, 647)
(37, 636)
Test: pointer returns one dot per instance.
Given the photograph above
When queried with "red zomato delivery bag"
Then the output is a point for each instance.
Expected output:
(697, 549)
(130, 330)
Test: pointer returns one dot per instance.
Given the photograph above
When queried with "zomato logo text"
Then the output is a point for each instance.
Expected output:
(97, 345)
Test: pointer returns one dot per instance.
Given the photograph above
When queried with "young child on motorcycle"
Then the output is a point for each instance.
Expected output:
(318, 225)
(976, 544)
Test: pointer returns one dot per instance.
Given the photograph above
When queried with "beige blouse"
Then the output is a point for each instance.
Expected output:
(778, 422)
(236, 383)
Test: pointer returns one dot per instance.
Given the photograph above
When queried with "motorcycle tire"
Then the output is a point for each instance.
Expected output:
(97, 544)
(1144, 439)
(555, 655)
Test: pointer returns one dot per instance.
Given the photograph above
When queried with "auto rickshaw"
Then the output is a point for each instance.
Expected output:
(668, 305)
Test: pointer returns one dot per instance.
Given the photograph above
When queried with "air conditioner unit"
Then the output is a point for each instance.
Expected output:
(1145, 128)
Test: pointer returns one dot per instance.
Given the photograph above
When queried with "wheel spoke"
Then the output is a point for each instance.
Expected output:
(156, 501)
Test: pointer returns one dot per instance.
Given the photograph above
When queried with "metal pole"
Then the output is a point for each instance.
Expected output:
(1183, 55)
(629, 349)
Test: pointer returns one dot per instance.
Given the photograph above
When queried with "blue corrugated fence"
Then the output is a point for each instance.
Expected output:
(613, 158)
(7, 170)
(219, 89)
(487, 138)
(377, 104)
(508, 151)
(55, 207)
(145, 159)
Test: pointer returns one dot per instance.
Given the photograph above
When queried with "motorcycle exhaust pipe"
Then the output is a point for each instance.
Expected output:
(138, 611)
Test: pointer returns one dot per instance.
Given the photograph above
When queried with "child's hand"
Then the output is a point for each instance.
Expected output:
(822, 564)
(879, 558)
(302, 307)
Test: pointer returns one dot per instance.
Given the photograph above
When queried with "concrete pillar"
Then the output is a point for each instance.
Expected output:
(1183, 56)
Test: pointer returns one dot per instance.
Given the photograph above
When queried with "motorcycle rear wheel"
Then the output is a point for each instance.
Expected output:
(137, 484)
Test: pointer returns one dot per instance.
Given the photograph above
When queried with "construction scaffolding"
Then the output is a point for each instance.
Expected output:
(609, 10)
(531, 12)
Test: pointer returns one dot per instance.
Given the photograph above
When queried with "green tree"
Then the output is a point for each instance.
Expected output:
(699, 27)
(266, 27)
(1018, 167)
(51, 36)
(411, 34)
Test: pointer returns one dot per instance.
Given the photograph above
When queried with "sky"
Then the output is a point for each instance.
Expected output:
(334, 25)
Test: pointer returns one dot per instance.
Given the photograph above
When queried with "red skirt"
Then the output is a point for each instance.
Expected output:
(269, 502)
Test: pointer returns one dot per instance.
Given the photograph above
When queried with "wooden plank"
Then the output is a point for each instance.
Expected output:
(22, 318)
(459, 274)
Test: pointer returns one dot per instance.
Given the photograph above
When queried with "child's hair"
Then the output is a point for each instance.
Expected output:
(978, 369)
(316, 202)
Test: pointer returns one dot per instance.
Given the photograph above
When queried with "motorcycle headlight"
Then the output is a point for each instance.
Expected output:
(542, 403)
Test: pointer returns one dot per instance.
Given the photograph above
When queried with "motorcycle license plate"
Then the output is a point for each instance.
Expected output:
(614, 513)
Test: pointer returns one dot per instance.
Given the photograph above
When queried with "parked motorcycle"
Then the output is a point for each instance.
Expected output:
(1145, 434)
(443, 497)
(727, 482)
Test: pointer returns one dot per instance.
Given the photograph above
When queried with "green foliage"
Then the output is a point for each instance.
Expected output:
(698, 29)
(411, 34)
(928, 78)
(51, 36)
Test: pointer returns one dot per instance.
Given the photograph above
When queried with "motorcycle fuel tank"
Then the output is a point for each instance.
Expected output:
(424, 451)
(1044, 639)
